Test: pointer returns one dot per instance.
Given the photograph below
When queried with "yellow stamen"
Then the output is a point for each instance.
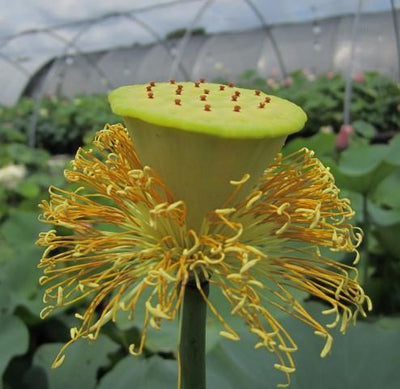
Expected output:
(229, 335)
(129, 244)
(285, 369)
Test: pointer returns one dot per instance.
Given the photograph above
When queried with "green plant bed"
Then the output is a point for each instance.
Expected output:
(369, 174)
(375, 99)
(61, 124)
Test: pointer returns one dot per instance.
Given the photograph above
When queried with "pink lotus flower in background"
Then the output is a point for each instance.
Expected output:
(342, 139)
(272, 83)
(330, 74)
(287, 82)
(359, 77)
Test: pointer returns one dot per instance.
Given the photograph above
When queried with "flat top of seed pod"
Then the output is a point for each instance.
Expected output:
(214, 109)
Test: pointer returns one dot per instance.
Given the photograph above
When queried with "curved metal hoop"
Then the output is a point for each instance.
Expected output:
(270, 36)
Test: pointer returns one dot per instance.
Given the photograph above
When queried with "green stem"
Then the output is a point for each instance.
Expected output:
(192, 338)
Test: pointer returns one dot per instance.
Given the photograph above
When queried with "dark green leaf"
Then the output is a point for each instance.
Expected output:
(363, 358)
(387, 192)
(151, 373)
(14, 339)
(360, 169)
(21, 276)
(22, 227)
(82, 362)
(364, 129)
(7, 304)
(321, 143)
(28, 189)
(237, 365)
(394, 151)
(383, 217)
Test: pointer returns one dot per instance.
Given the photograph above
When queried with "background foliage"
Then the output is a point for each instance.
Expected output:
(366, 167)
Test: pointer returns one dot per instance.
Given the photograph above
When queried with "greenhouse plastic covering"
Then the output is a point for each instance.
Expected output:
(69, 47)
